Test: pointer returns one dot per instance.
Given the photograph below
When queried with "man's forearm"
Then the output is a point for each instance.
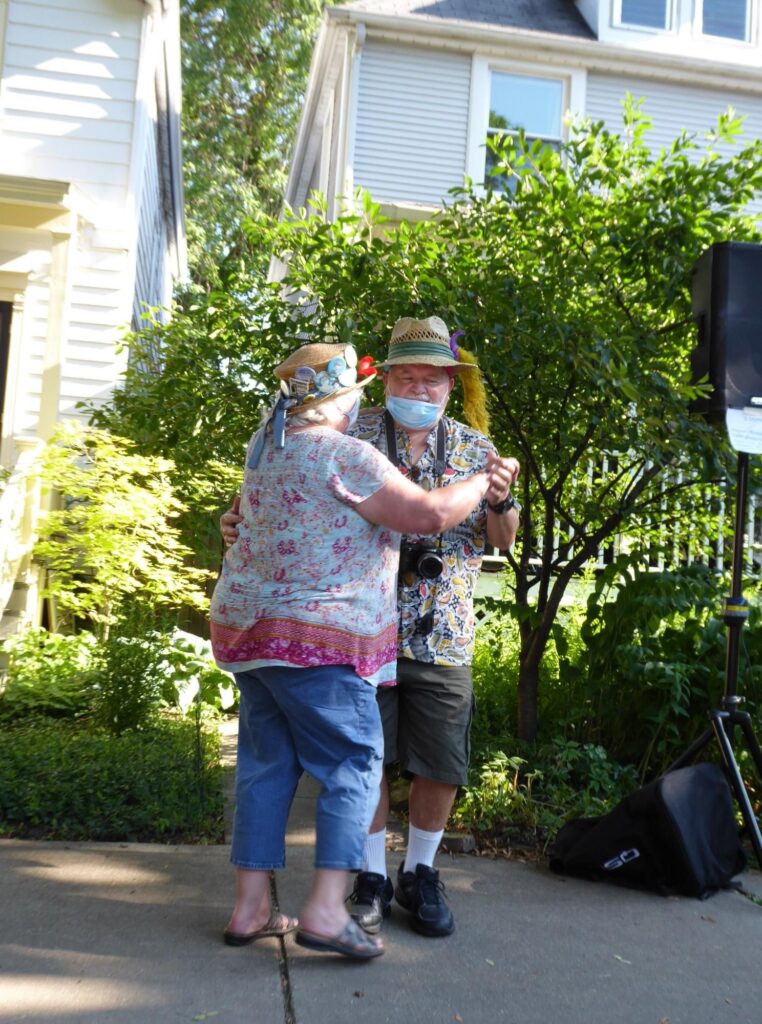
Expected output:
(502, 529)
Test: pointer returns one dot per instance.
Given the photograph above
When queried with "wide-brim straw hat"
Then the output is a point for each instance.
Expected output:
(321, 371)
(422, 341)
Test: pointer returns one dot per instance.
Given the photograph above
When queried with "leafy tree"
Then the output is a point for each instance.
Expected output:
(113, 538)
(245, 65)
(193, 393)
(573, 292)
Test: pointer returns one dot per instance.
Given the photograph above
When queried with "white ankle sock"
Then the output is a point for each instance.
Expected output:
(421, 848)
(374, 853)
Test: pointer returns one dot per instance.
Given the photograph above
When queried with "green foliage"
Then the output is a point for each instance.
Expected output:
(531, 792)
(126, 682)
(113, 538)
(532, 796)
(501, 795)
(625, 690)
(193, 393)
(245, 67)
(190, 677)
(495, 670)
(60, 781)
(579, 780)
(129, 686)
(48, 674)
(653, 663)
(195, 389)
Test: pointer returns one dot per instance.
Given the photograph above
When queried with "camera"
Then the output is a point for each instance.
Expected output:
(423, 558)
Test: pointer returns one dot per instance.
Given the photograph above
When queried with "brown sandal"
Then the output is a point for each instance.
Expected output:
(352, 942)
(277, 926)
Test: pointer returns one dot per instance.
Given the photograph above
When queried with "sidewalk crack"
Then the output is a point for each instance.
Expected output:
(289, 1016)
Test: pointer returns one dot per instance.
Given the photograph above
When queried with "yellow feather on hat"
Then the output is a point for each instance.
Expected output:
(474, 394)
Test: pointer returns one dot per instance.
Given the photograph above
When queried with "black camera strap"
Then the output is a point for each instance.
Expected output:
(440, 459)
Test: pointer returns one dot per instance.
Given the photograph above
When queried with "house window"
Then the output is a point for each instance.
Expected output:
(726, 18)
(524, 101)
(645, 13)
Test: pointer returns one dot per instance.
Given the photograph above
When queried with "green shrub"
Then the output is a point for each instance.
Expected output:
(496, 671)
(113, 540)
(63, 781)
(48, 674)
(495, 674)
(626, 684)
(653, 662)
(122, 683)
(128, 691)
(579, 780)
(534, 794)
(143, 670)
(499, 798)
(189, 674)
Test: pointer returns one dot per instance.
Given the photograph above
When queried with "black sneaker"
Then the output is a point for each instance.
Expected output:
(423, 895)
(370, 901)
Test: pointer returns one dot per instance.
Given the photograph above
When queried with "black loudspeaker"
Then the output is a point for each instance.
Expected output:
(727, 304)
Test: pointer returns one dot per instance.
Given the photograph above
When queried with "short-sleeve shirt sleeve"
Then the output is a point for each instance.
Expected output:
(356, 471)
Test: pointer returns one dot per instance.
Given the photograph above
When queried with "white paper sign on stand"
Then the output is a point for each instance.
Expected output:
(745, 429)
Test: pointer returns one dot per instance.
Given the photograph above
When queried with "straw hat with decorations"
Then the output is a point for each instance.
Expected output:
(321, 371)
(312, 374)
(428, 342)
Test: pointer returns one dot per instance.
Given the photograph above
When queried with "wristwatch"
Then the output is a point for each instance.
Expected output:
(501, 507)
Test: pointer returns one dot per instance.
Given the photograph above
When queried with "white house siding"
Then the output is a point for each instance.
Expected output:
(152, 274)
(671, 107)
(68, 92)
(98, 319)
(95, 322)
(412, 122)
(70, 76)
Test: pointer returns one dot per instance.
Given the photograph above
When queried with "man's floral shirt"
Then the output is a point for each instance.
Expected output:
(450, 597)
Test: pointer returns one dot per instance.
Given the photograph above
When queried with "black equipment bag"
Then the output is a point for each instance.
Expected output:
(678, 834)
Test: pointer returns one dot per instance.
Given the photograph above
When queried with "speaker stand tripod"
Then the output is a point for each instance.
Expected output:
(728, 717)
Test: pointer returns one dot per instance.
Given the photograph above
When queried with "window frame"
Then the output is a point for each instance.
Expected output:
(573, 81)
(628, 26)
(751, 25)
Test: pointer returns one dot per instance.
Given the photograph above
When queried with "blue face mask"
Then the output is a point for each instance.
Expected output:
(411, 413)
(352, 414)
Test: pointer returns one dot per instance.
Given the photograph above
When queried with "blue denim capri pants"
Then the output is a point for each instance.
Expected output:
(323, 720)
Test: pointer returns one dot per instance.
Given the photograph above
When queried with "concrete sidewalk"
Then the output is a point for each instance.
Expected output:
(111, 933)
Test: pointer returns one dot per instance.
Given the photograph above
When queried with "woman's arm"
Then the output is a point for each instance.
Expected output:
(406, 508)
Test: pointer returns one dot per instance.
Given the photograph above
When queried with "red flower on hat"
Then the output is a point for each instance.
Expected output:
(365, 366)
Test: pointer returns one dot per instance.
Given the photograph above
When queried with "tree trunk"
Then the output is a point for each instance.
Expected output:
(529, 678)
(534, 640)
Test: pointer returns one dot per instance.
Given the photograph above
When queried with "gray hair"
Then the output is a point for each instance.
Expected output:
(323, 412)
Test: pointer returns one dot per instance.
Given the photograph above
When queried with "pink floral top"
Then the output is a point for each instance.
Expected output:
(309, 581)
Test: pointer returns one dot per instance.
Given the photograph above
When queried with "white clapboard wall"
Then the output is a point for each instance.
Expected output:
(412, 122)
(79, 107)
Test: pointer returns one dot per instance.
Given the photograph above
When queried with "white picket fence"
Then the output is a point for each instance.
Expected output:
(674, 547)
